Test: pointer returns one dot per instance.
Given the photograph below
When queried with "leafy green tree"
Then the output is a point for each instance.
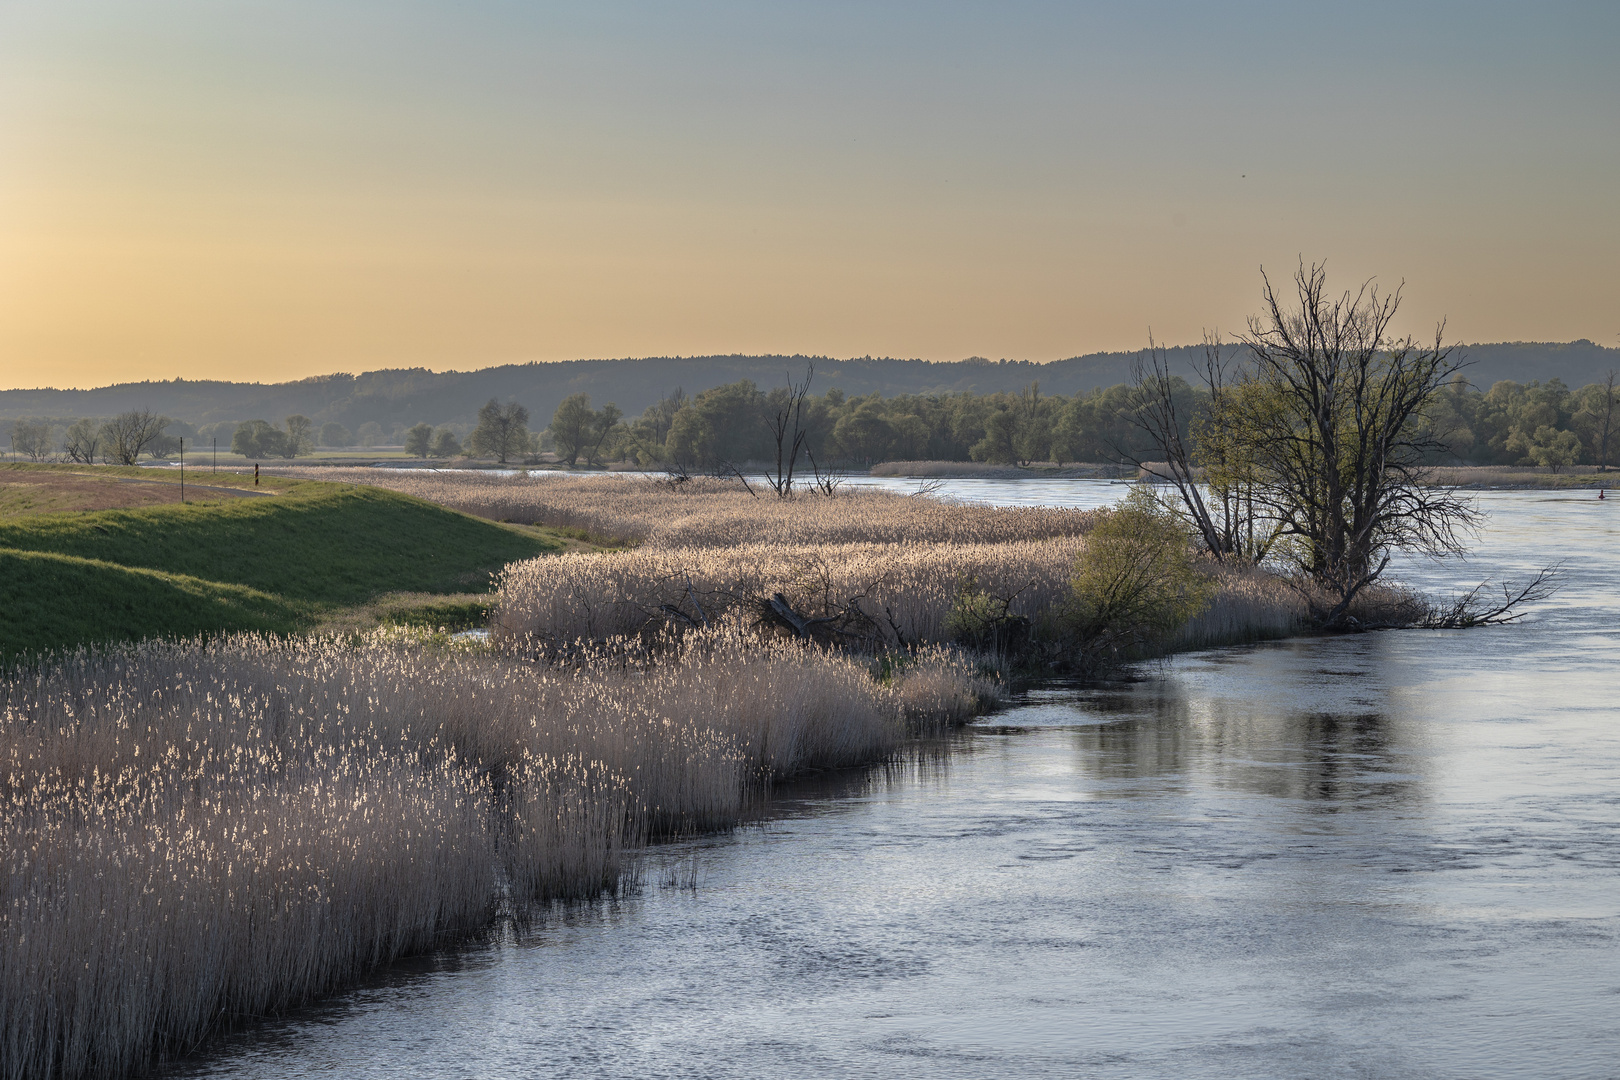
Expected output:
(259, 439)
(689, 436)
(1594, 419)
(335, 434)
(573, 427)
(1547, 447)
(445, 444)
(999, 445)
(419, 440)
(300, 436)
(864, 434)
(1454, 418)
(734, 423)
(165, 446)
(605, 431)
(502, 432)
(911, 437)
(649, 436)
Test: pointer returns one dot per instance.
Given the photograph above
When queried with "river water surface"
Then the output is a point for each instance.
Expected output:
(1389, 855)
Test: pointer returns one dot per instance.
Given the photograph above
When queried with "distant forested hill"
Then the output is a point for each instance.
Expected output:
(398, 397)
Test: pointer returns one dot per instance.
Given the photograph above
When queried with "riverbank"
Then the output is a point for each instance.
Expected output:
(1039, 470)
(1386, 863)
(1523, 478)
(392, 793)
(1376, 855)
(1472, 477)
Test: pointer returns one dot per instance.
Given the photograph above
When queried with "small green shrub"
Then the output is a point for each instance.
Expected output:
(982, 620)
(1135, 582)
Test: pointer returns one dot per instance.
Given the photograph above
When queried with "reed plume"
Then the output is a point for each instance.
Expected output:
(200, 832)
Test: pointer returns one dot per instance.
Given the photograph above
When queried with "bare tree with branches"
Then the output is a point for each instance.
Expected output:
(82, 441)
(1480, 607)
(1331, 415)
(1157, 414)
(786, 424)
(31, 439)
(1212, 476)
(1313, 452)
(826, 482)
(129, 434)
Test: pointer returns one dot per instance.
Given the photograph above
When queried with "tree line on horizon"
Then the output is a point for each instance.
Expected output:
(396, 398)
(1544, 424)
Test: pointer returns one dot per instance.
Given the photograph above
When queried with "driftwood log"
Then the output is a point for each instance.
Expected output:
(802, 625)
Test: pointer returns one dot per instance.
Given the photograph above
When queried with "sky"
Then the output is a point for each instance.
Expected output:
(271, 190)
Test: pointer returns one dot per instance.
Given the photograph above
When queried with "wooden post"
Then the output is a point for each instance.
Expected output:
(255, 474)
(182, 470)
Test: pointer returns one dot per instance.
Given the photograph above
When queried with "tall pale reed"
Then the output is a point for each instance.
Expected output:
(194, 833)
(716, 513)
(910, 586)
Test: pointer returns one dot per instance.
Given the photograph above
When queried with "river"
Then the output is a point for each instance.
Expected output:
(1388, 855)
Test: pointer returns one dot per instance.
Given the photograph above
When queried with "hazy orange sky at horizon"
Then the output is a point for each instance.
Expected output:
(271, 191)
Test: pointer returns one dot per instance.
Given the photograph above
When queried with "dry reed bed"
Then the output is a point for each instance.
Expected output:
(194, 832)
(907, 590)
(710, 541)
(704, 513)
(1248, 605)
(909, 587)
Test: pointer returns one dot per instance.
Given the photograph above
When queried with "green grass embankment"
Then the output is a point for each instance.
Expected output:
(308, 554)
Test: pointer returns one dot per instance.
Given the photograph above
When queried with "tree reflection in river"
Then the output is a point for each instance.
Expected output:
(1308, 720)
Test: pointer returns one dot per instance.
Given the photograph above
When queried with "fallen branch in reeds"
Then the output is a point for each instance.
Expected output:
(1474, 607)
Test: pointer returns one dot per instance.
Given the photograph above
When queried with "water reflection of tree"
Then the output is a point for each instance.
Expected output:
(1339, 759)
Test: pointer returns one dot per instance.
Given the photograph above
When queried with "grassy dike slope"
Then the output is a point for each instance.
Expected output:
(279, 562)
